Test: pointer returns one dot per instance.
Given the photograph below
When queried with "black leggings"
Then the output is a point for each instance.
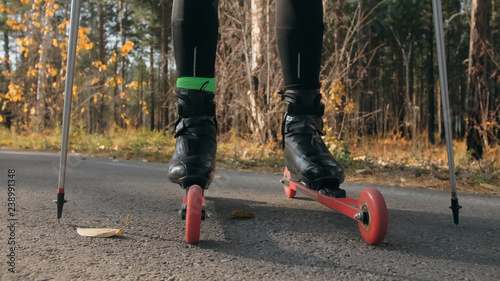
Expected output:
(299, 31)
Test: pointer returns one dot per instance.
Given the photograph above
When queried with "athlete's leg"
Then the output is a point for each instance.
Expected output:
(299, 28)
(194, 25)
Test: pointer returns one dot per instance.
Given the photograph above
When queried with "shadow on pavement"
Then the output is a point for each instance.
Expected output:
(474, 240)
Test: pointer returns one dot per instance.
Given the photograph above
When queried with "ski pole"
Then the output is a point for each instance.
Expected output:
(68, 92)
(438, 25)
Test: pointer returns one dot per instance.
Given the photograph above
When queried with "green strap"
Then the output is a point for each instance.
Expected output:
(196, 83)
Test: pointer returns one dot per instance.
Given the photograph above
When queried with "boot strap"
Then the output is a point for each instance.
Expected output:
(187, 111)
(293, 109)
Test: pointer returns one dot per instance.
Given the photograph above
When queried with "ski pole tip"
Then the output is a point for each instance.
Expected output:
(60, 202)
(455, 207)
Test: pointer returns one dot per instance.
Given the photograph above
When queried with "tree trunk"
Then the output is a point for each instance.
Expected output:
(122, 10)
(42, 71)
(430, 84)
(6, 50)
(102, 44)
(258, 22)
(478, 100)
(338, 26)
(152, 87)
(166, 7)
(5, 112)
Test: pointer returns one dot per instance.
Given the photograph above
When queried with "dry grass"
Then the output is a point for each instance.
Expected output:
(400, 163)
(370, 160)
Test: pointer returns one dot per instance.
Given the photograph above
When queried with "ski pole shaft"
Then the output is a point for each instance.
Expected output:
(438, 25)
(68, 92)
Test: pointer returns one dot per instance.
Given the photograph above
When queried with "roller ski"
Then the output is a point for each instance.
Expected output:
(311, 169)
(193, 163)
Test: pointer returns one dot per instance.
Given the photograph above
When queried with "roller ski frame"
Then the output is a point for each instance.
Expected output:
(369, 209)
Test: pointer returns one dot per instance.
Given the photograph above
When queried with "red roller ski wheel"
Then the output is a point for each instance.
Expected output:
(290, 193)
(373, 225)
(193, 214)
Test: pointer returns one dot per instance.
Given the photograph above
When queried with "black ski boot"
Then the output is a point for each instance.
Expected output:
(193, 161)
(306, 155)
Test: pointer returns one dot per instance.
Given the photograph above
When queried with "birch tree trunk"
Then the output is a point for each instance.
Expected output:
(42, 70)
(477, 139)
(258, 83)
(102, 51)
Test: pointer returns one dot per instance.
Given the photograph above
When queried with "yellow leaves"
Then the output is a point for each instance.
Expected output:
(54, 42)
(491, 125)
(49, 10)
(337, 91)
(25, 50)
(32, 72)
(25, 108)
(33, 111)
(133, 85)
(25, 42)
(119, 81)
(144, 107)
(74, 92)
(5, 60)
(25, 1)
(13, 24)
(62, 26)
(57, 6)
(83, 110)
(124, 117)
(112, 58)
(7, 73)
(126, 48)
(38, 65)
(83, 42)
(52, 72)
(123, 95)
(95, 81)
(242, 214)
(100, 65)
(15, 92)
(83, 33)
(349, 107)
(54, 85)
(335, 98)
(1, 119)
(110, 81)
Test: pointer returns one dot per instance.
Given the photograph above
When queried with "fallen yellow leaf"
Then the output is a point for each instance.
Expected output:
(242, 214)
(102, 232)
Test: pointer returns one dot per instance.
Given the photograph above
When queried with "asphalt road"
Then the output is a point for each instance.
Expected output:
(288, 239)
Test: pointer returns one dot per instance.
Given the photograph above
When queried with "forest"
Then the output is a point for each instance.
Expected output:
(379, 76)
